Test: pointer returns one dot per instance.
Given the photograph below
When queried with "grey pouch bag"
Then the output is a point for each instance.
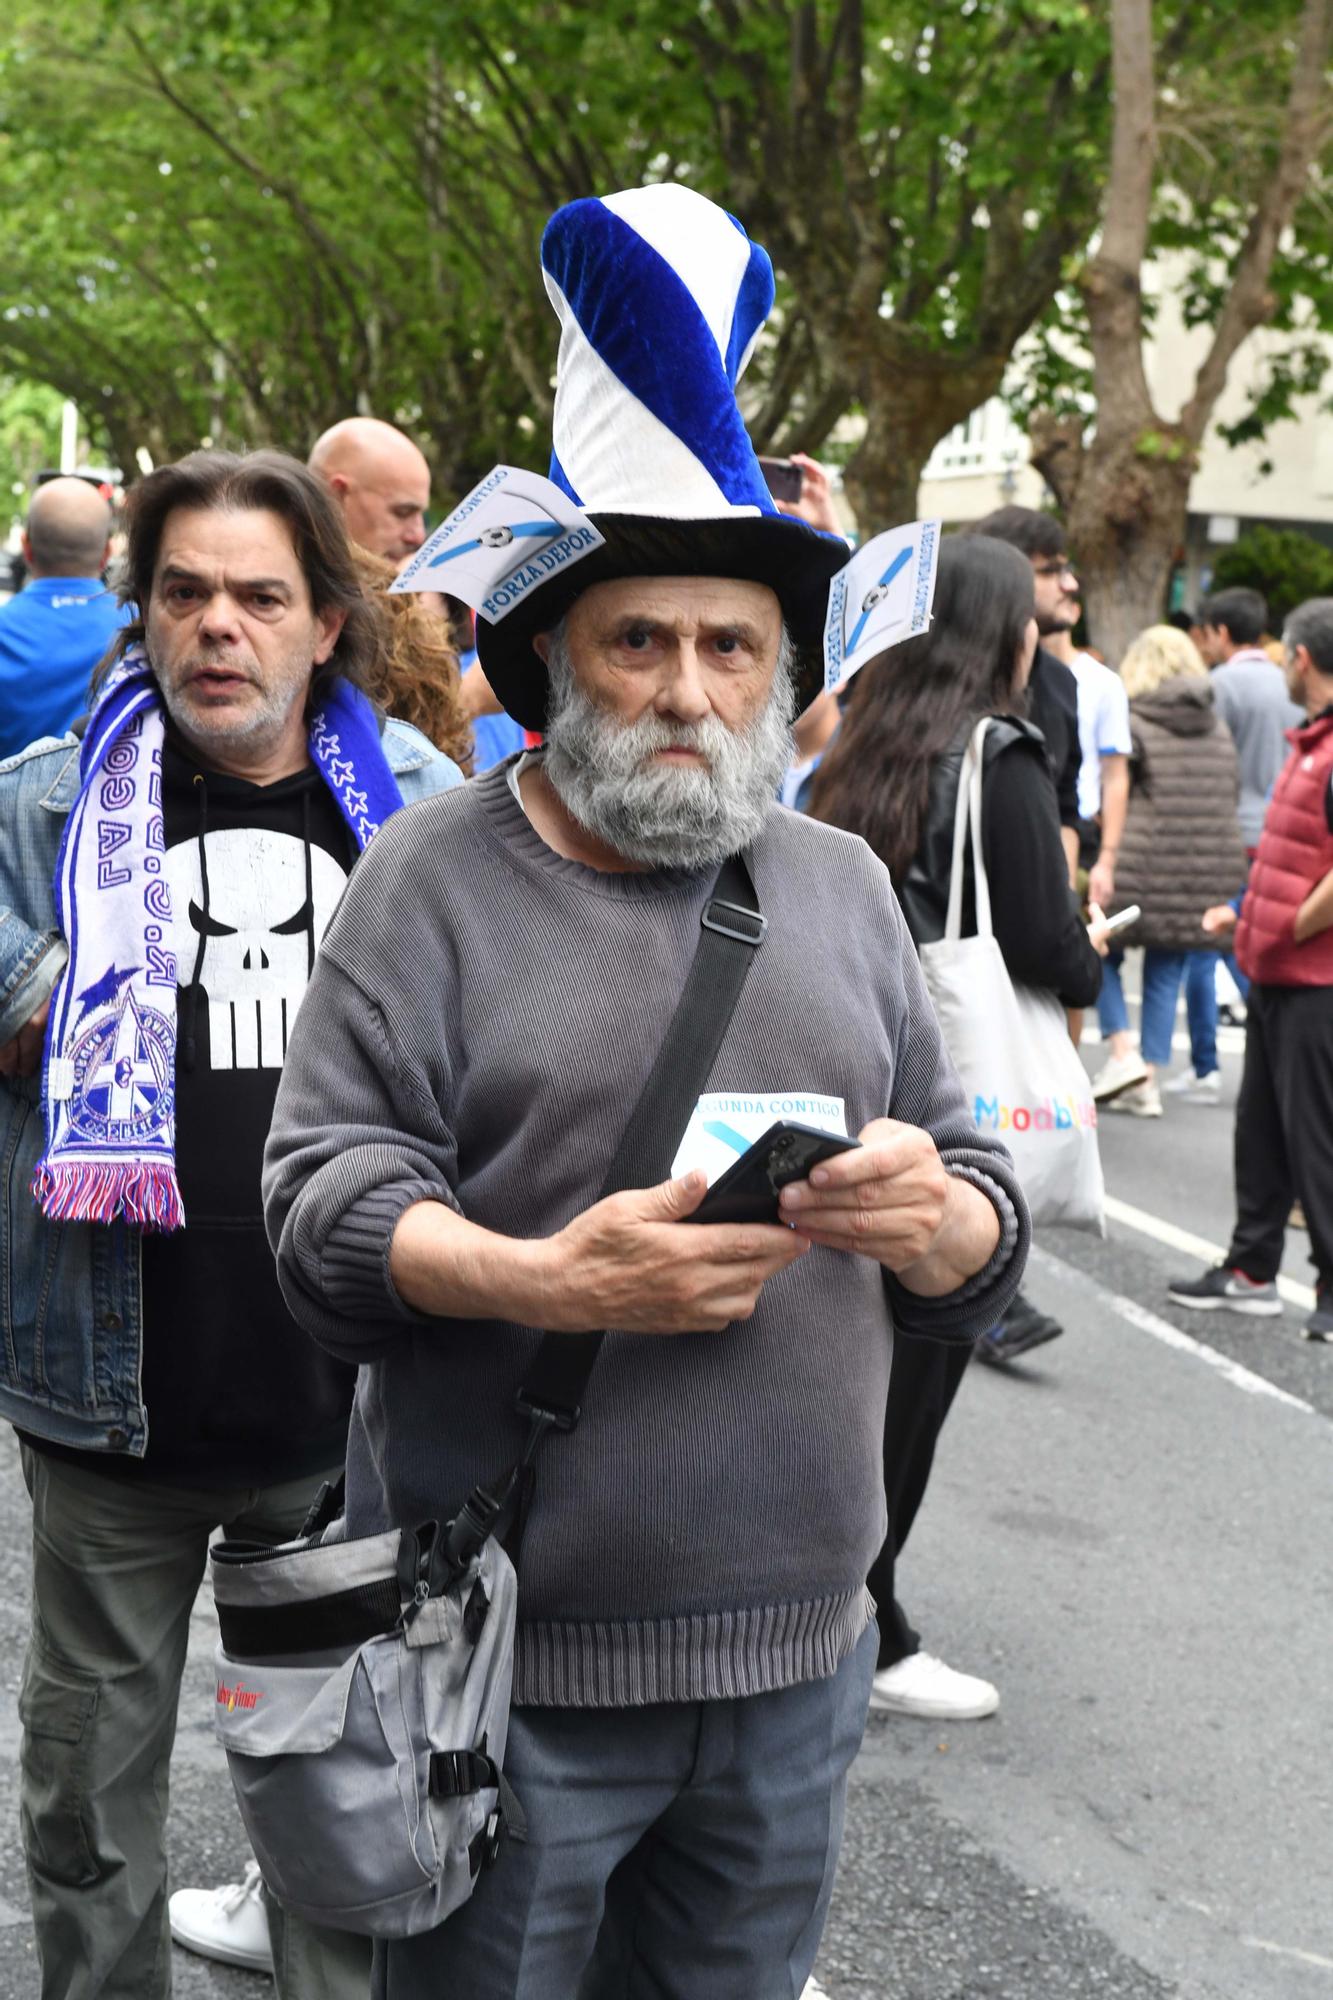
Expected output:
(363, 1702)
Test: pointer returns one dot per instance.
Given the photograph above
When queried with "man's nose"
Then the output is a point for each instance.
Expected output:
(218, 619)
(683, 693)
(414, 533)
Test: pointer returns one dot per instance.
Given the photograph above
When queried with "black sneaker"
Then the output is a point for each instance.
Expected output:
(1021, 1329)
(1319, 1326)
(1229, 1290)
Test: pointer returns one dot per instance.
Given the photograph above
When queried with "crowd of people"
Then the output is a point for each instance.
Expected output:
(340, 934)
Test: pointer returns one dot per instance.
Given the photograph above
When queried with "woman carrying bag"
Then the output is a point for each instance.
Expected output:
(892, 774)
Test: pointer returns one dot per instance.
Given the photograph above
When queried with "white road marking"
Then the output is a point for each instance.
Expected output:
(812, 1990)
(1230, 1041)
(1290, 1289)
(1170, 1336)
(1289, 1951)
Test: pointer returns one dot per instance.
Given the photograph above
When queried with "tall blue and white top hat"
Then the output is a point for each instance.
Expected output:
(661, 296)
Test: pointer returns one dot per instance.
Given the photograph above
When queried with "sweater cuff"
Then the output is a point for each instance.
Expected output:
(354, 1266)
(982, 1280)
(983, 1299)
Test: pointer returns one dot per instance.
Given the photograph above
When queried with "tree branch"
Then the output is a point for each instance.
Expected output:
(1248, 302)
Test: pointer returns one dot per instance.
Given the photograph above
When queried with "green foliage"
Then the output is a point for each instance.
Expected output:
(29, 440)
(240, 220)
(1284, 564)
(1222, 75)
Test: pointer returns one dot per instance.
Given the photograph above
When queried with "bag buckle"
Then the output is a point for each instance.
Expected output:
(544, 1417)
(493, 1838)
(756, 922)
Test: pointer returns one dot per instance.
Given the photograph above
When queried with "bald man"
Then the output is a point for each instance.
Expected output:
(382, 481)
(56, 630)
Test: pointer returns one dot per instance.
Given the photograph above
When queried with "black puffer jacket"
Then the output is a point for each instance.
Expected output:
(1182, 849)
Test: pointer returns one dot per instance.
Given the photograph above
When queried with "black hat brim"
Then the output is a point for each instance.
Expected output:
(795, 561)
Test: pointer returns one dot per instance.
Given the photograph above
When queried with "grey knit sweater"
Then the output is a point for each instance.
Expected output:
(479, 1024)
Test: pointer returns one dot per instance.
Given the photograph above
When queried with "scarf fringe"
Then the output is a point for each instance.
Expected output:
(144, 1193)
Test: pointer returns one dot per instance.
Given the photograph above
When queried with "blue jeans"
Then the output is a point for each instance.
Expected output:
(685, 1849)
(1162, 974)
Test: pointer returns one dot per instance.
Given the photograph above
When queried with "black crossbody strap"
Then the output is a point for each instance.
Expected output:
(731, 928)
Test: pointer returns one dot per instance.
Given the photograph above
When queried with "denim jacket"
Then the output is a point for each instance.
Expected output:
(71, 1302)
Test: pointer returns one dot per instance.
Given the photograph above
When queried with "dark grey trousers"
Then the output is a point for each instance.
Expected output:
(1284, 1130)
(116, 1568)
(684, 1851)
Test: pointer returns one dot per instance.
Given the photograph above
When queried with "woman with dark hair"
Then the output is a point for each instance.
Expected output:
(891, 774)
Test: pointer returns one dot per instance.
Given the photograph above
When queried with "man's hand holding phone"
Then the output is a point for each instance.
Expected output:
(892, 1200)
(886, 1199)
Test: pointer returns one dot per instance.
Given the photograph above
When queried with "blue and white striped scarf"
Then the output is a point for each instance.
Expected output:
(109, 1081)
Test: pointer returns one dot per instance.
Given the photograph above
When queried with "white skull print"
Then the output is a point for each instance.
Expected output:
(255, 926)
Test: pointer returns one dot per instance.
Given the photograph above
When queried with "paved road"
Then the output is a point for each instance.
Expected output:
(1130, 1535)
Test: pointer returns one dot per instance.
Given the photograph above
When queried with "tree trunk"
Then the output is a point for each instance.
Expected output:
(1125, 493)
(909, 405)
(1127, 529)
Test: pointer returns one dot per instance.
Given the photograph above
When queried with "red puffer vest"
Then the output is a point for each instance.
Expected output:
(1295, 852)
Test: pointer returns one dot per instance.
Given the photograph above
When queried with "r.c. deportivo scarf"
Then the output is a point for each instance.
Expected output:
(109, 1082)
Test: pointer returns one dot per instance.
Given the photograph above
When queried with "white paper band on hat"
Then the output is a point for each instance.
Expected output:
(881, 597)
(514, 531)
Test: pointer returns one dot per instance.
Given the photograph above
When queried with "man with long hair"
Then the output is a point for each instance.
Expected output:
(160, 910)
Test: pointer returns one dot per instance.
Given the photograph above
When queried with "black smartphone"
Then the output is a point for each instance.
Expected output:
(783, 479)
(748, 1191)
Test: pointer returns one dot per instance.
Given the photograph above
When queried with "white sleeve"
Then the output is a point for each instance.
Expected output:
(1113, 737)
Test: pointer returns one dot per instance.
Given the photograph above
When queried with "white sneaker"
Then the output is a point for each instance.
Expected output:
(1118, 1073)
(229, 1924)
(923, 1685)
(1143, 1101)
(1195, 1089)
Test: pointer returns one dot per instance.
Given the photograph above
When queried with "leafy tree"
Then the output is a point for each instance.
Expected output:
(1284, 564)
(242, 220)
(29, 440)
(1123, 481)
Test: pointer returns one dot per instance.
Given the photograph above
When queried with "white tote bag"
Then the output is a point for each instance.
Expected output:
(1010, 1044)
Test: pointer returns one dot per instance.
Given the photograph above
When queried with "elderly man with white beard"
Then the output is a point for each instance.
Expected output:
(695, 1644)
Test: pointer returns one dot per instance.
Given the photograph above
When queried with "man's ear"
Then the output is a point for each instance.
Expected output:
(26, 547)
(330, 624)
(541, 646)
(339, 484)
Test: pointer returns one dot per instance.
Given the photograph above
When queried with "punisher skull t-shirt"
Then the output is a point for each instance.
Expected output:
(235, 1391)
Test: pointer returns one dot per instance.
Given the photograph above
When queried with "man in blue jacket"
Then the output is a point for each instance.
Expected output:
(56, 630)
(161, 902)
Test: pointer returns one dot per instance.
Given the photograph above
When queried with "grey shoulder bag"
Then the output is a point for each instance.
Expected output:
(363, 1685)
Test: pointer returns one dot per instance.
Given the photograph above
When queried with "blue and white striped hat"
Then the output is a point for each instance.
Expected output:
(661, 296)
